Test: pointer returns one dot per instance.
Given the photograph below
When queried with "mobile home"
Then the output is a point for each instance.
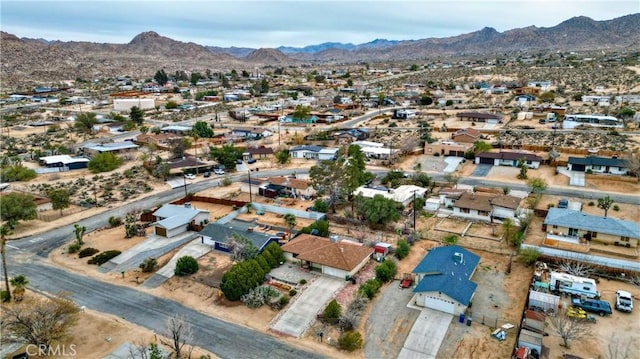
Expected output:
(573, 285)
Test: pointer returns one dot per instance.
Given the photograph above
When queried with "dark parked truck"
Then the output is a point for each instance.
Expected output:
(592, 305)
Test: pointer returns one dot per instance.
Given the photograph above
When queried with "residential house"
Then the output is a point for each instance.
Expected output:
(218, 235)
(447, 148)
(305, 151)
(66, 161)
(575, 227)
(332, 257)
(254, 133)
(172, 220)
(480, 117)
(161, 140)
(466, 135)
(443, 279)
(613, 165)
(486, 206)
(293, 186)
(177, 129)
(403, 194)
(328, 154)
(375, 150)
(505, 158)
(116, 147)
(258, 153)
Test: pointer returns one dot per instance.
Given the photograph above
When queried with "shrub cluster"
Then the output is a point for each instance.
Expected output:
(259, 296)
(370, 288)
(103, 257)
(350, 340)
(386, 271)
(248, 274)
(186, 265)
(87, 252)
(403, 249)
(74, 248)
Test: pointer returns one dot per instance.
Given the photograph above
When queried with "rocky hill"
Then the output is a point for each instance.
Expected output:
(28, 60)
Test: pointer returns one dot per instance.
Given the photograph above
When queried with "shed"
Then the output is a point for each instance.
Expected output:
(382, 249)
(432, 204)
(545, 301)
(531, 340)
(534, 321)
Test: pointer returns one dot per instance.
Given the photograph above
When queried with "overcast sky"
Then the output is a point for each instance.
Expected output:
(290, 23)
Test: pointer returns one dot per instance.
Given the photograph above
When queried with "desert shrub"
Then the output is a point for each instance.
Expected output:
(16, 173)
(88, 252)
(149, 265)
(616, 207)
(259, 296)
(528, 256)
(370, 288)
(186, 265)
(403, 249)
(332, 311)
(303, 281)
(284, 300)
(226, 181)
(74, 248)
(115, 221)
(350, 341)
(104, 162)
(386, 271)
(4, 296)
(293, 292)
(320, 206)
(591, 204)
(104, 257)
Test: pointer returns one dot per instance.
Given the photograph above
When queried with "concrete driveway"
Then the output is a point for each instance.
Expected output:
(301, 313)
(452, 163)
(426, 335)
(481, 170)
(194, 249)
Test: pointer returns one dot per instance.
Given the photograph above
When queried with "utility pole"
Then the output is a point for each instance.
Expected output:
(250, 194)
(414, 210)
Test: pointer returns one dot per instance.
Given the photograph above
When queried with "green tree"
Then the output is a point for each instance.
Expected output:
(171, 105)
(318, 228)
(548, 96)
(104, 162)
(19, 284)
(16, 173)
(508, 229)
(605, 203)
(386, 271)
(349, 82)
(4, 232)
(136, 115)
(227, 155)
(626, 113)
(60, 198)
(290, 220)
(15, 207)
(84, 122)
(350, 341)
(320, 206)
(481, 146)
(426, 100)
(332, 311)
(301, 112)
(161, 77)
(450, 239)
(522, 164)
(282, 156)
(186, 265)
(537, 185)
(179, 146)
(264, 86)
(403, 249)
(195, 77)
(378, 210)
(326, 178)
(528, 256)
(79, 232)
(242, 248)
(202, 129)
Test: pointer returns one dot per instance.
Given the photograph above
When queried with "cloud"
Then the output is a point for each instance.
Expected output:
(290, 23)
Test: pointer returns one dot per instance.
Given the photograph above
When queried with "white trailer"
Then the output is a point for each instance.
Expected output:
(573, 285)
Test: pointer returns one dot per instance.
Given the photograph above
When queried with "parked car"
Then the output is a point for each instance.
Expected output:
(190, 176)
(563, 203)
(207, 174)
(592, 305)
(239, 161)
(218, 171)
(251, 160)
(624, 301)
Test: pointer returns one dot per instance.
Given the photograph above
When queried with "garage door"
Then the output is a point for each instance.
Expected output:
(161, 231)
(486, 161)
(440, 304)
(576, 167)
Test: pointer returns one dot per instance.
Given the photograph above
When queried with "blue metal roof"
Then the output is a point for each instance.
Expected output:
(448, 269)
(588, 222)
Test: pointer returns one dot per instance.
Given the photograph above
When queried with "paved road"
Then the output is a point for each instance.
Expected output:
(226, 340)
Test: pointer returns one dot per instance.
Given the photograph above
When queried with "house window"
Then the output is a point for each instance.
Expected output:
(624, 239)
(593, 234)
(573, 232)
(483, 213)
(555, 226)
(464, 210)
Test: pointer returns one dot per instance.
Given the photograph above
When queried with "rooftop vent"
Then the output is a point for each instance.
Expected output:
(458, 257)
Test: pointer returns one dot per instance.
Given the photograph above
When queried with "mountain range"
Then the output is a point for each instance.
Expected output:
(28, 60)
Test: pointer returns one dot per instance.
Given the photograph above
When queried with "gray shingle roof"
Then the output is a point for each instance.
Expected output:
(597, 161)
(222, 232)
(587, 222)
(445, 273)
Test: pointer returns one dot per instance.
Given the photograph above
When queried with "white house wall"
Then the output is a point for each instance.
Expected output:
(175, 231)
(334, 272)
(440, 301)
(473, 214)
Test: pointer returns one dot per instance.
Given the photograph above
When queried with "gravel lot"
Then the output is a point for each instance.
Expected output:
(389, 322)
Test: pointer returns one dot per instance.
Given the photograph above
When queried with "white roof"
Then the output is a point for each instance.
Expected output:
(107, 147)
(367, 144)
(64, 159)
(176, 128)
(401, 194)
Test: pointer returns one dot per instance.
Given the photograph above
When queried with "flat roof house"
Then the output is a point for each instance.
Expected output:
(479, 117)
(219, 235)
(341, 259)
(508, 159)
(444, 279)
(67, 161)
(611, 165)
(172, 220)
(116, 147)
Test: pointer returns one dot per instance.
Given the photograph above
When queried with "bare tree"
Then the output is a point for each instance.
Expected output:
(580, 269)
(568, 328)
(179, 332)
(40, 322)
(619, 349)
